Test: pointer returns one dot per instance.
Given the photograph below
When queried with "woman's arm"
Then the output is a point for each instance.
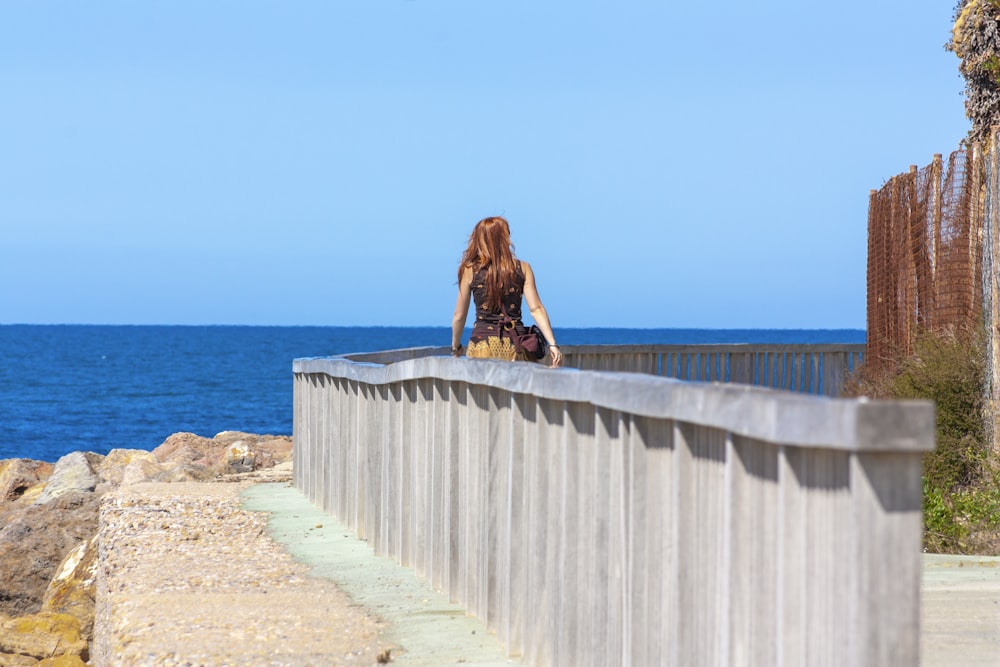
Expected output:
(539, 314)
(461, 310)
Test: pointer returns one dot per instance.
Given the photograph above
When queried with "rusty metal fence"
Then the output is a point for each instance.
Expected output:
(925, 256)
(934, 261)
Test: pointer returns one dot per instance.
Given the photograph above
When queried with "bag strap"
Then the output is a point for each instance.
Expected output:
(511, 331)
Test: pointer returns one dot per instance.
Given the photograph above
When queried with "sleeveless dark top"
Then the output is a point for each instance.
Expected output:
(488, 322)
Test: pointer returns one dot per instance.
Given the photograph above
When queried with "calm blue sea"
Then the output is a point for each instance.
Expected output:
(95, 388)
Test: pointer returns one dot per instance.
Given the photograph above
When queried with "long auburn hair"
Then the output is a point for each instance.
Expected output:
(490, 249)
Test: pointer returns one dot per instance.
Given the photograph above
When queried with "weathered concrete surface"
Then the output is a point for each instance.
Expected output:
(960, 622)
(186, 576)
(427, 629)
(192, 574)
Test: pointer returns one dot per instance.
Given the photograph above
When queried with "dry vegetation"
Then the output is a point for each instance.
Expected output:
(961, 479)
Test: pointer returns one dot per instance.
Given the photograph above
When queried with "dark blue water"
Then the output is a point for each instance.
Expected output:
(95, 388)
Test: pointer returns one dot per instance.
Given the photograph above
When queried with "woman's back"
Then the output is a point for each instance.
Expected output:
(510, 296)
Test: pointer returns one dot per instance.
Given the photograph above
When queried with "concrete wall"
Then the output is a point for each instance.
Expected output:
(604, 518)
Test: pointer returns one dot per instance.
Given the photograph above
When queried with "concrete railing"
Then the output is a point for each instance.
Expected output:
(602, 518)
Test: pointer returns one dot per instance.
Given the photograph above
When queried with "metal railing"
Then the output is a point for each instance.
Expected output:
(810, 369)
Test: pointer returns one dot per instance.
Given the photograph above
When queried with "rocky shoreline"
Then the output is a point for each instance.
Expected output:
(49, 526)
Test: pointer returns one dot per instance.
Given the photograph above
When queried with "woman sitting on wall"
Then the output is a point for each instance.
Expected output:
(491, 275)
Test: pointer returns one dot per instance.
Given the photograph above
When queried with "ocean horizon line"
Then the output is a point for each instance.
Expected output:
(413, 326)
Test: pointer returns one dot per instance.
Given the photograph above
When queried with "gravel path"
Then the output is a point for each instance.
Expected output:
(187, 577)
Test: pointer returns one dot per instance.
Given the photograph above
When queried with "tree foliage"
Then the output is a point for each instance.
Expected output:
(976, 41)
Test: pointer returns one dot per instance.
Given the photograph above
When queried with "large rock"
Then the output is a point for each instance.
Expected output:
(227, 452)
(17, 476)
(17, 660)
(72, 473)
(34, 540)
(66, 660)
(74, 588)
(185, 472)
(128, 466)
(40, 636)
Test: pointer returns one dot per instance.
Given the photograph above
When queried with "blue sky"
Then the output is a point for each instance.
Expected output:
(662, 164)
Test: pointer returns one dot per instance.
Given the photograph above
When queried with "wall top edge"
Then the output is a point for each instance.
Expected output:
(651, 348)
(755, 412)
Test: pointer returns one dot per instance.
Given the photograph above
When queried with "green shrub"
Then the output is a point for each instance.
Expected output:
(961, 495)
(950, 371)
(962, 521)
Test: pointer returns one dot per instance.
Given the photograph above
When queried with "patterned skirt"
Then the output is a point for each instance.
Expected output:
(495, 347)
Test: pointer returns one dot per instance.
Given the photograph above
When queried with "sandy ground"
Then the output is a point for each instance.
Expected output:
(960, 623)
